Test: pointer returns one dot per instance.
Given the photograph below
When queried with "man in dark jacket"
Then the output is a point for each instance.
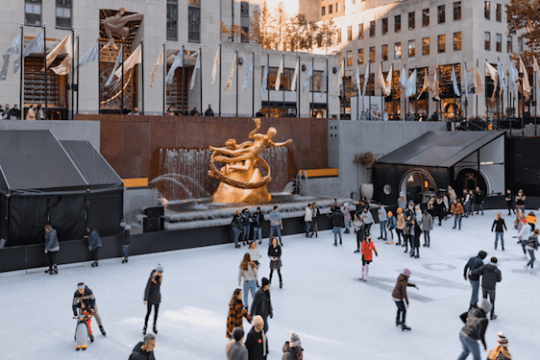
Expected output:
(52, 246)
(440, 209)
(479, 200)
(84, 297)
(258, 221)
(261, 304)
(209, 111)
(475, 327)
(144, 350)
(474, 263)
(256, 341)
(237, 227)
(236, 350)
(194, 112)
(338, 221)
(491, 275)
(292, 350)
(509, 198)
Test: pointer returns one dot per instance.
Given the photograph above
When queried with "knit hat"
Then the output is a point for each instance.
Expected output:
(265, 281)
(482, 254)
(485, 305)
(390, 213)
(502, 340)
(159, 268)
(238, 333)
(399, 210)
(406, 272)
(295, 341)
(524, 221)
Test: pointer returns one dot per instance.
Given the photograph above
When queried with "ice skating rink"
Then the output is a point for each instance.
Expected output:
(336, 316)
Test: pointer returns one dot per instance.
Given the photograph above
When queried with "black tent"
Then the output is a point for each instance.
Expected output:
(43, 183)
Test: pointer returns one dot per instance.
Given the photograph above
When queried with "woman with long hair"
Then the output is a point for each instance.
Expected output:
(400, 226)
(274, 252)
(253, 251)
(236, 313)
(248, 271)
(520, 200)
(152, 296)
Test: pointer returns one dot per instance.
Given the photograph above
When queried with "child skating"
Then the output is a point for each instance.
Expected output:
(367, 250)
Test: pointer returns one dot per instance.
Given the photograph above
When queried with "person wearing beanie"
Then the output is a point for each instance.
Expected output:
(391, 224)
(367, 250)
(524, 234)
(501, 350)
(401, 202)
(84, 299)
(292, 350)
(500, 227)
(476, 323)
(152, 296)
(261, 305)
(491, 275)
(400, 226)
(427, 226)
(399, 295)
(256, 340)
(236, 350)
(358, 224)
(474, 263)
(144, 350)
(236, 314)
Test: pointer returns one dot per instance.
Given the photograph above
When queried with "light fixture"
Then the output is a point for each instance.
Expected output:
(304, 67)
(240, 60)
(334, 70)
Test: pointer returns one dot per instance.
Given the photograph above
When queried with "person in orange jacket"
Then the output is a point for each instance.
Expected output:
(457, 210)
(367, 250)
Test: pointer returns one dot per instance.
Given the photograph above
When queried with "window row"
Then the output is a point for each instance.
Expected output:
(487, 11)
(331, 9)
(33, 11)
(499, 43)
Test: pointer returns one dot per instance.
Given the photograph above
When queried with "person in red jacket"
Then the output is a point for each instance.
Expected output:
(399, 294)
(367, 250)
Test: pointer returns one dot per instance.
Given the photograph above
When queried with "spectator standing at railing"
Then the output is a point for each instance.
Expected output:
(40, 115)
(2, 112)
(368, 114)
(14, 113)
(31, 114)
(209, 111)
(194, 112)
(52, 246)
(385, 116)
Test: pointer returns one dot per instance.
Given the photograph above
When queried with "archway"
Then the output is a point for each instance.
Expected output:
(418, 185)
(469, 179)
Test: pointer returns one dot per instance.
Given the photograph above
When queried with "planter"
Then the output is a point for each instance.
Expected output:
(367, 191)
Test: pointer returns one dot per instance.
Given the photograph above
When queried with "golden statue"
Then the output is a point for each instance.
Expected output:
(241, 179)
(116, 24)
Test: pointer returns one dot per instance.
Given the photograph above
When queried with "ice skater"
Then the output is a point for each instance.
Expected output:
(457, 210)
(276, 224)
(144, 350)
(501, 350)
(381, 211)
(414, 236)
(52, 246)
(399, 294)
(94, 243)
(500, 227)
(367, 256)
(292, 349)
(262, 305)
(407, 236)
(254, 253)
(359, 229)
(308, 220)
(474, 263)
(368, 220)
(248, 271)
(84, 298)
(440, 209)
(256, 340)
(274, 253)
(237, 313)
(476, 323)
(246, 225)
(510, 202)
(346, 217)
(524, 234)
(126, 241)
(532, 246)
(316, 218)
(338, 222)
(520, 200)
(400, 226)
(152, 296)
(237, 227)
(258, 221)
(391, 224)
(236, 350)
(491, 275)
(427, 226)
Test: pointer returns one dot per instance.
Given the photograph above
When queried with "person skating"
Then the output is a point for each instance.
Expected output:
(524, 234)
(236, 350)
(262, 305)
(400, 226)
(491, 275)
(83, 298)
(427, 226)
(152, 296)
(367, 250)
(125, 236)
(418, 214)
(407, 235)
(308, 220)
(476, 323)
(316, 218)
(501, 350)
(338, 222)
(346, 217)
(457, 210)
(256, 340)
(144, 350)
(479, 200)
(246, 225)
(292, 349)
(274, 253)
(94, 243)
(381, 212)
(474, 263)
(416, 231)
(248, 271)
(52, 246)
(237, 227)
(258, 221)
(531, 220)
(500, 227)
(391, 224)
(532, 246)
(276, 224)
(410, 211)
(254, 253)
(399, 295)
(237, 313)
(359, 230)
(440, 209)
(510, 202)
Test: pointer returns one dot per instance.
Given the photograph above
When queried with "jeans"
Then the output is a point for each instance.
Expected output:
(533, 258)
(480, 207)
(523, 244)
(250, 285)
(382, 225)
(257, 233)
(401, 310)
(347, 224)
(466, 206)
(457, 219)
(246, 232)
(475, 287)
(125, 250)
(308, 227)
(275, 229)
(427, 237)
(499, 234)
(265, 326)
(491, 293)
(337, 232)
(236, 235)
(469, 346)
(367, 227)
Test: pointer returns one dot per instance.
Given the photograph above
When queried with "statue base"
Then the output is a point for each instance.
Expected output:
(226, 194)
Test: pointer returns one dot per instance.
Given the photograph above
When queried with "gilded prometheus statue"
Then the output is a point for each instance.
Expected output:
(241, 179)
(116, 24)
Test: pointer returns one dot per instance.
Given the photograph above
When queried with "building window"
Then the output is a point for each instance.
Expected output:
(323, 11)
(317, 82)
(338, 36)
(498, 12)
(385, 52)
(411, 20)
(360, 56)
(487, 13)
(371, 28)
(385, 26)
(360, 31)
(412, 48)
(520, 45)
(509, 44)
(172, 19)
(330, 9)
(194, 21)
(498, 42)
(244, 21)
(349, 33)
(442, 14)
(397, 23)
(32, 12)
(487, 41)
(397, 51)
(349, 58)
(425, 17)
(457, 10)
(441, 40)
(425, 46)
(337, 7)
(63, 14)
(372, 54)
(457, 41)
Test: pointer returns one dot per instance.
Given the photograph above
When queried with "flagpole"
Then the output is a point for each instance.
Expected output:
(219, 110)
(392, 93)
(200, 76)
(21, 74)
(476, 90)
(99, 76)
(312, 105)
(298, 114)
(184, 90)
(522, 106)
(142, 74)
(164, 86)
(466, 99)
(283, 91)
(369, 88)
(252, 83)
(535, 104)
(78, 61)
(382, 110)
(122, 90)
(236, 59)
(72, 71)
(44, 72)
(415, 97)
(327, 88)
(267, 83)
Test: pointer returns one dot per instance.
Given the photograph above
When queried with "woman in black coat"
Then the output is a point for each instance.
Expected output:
(274, 252)
(152, 296)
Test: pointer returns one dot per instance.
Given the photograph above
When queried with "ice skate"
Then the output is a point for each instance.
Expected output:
(125, 260)
(102, 331)
(144, 330)
(405, 328)
(91, 337)
(155, 329)
(356, 251)
(281, 285)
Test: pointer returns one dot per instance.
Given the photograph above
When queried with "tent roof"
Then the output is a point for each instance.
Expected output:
(440, 148)
(33, 161)
(93, 167)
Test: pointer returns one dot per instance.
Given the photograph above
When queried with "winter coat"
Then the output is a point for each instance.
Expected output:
(491, 275)
(261, 304)
(152, 293)
(337, 218)
(254, 254)
(289, 353)
(416, 231)
(525, 232)
(409, 212)
(452, 194)
(316, 214)
(407, 228)
(400, 221)
(367, 217)
(479, 197)
(125, 237)
(237, 312)
(367, 250)
(419, 215)
(474, 263)
(309, 215)
(257, 344)
(382, 214)
(236, 351)
(401, 203)
(509, 198)
(499, 225)
(346, 213)
(400, 291)
(51, 241)
(500, 356)
(245, 218)
(391, 223)
(427, 222)
(456, 209)
(476, 324)
(249, 275)
(87, 298)
(258, 219)
(237, 222)
(94, 241)
(532, 243)
(139, 354)
(275, 252)
(439, 208)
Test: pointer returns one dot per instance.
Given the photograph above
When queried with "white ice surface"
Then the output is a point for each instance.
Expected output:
(336, 316)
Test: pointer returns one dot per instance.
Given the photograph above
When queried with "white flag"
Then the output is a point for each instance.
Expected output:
(216, 63)
(35, 46)
(340, 79)
(478, 82)
(493, 74)
(116, 63)
(502, 79)
(410, 89)
(295, 75)
(265, 78)
(231, 75)
(454, 83)
(536, 69)
(13, 48)
(197, 66)
(366, 79)
(526, 85)
(133, 59)
(436, 83)
(154, 70)
(91, 55)
(512, 75)
(403, 78)
(382, 82)
(357, 79)
(64, 68)
(426, 84)
(278, 76)
(324, 76)
(178, 62)
(64, 47)
(308, 76)
(388, 89)
(248, 70)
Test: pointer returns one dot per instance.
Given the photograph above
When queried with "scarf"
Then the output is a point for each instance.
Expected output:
(493, 354)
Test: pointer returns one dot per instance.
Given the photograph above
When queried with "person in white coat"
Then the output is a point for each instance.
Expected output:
(308, 219)
(367, 218)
